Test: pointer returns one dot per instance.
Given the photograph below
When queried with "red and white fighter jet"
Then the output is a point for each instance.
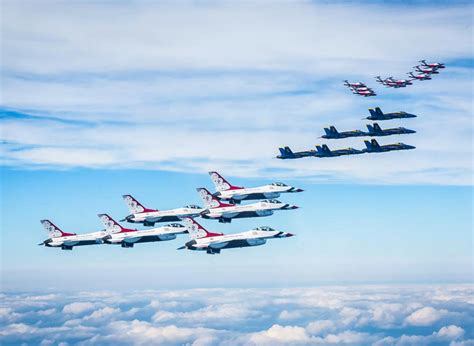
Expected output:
(235, 194)
(66, 241)
(213, 243)
(226, 212)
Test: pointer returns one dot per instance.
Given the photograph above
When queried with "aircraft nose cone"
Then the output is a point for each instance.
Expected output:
(297, 190)
(290, 235)
(291, 206)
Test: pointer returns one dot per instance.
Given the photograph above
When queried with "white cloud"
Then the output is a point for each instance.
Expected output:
(78, 307)
(281, 335)
(320, 327)
(425, 316)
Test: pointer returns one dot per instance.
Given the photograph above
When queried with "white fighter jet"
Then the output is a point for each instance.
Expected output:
(236, 194)
(140, 214)
(213, 243)
(66, 241)
(127, 237)
(226, 212)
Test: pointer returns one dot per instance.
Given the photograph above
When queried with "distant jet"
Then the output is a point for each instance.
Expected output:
(427, 70)
(286, 153)
(324, 151)
(432, 64)
(365, 93)
(127, 237)
(400, 81)
(375, 130)
(235, 194)
(374, 147)
(66, 241)
(332, 133)
(393, 83)
(223, 212)
(420, 76)
(140, 214)
(213, 243)
(354, 85)
(377, 114)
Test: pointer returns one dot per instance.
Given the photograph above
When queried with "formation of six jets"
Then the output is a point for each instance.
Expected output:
(223, 205)
(423, 72)
(372, 146)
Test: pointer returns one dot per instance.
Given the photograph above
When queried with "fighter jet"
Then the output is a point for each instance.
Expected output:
(427, 70)
(375, 130)
(223, 212)
(236, 194)
(286, 153)
(432, 64)
(374, 147)
(365, 93)
(213, 243)
(127, 237)
(332, 133)
(354, 85)
(324, 151)
(393, 83)
(420, 76)
(66, 241)
(377, 114)
(359, 88)
(140, 214)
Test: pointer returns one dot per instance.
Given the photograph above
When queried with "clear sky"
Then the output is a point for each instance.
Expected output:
(93, 108)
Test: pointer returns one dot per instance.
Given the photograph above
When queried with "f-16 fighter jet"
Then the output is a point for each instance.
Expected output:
(213, 243)
(432, 64)
(427, 70)
(377, 114)
(324, 151)
(226, 212)
(376, 130)
(374, 147)
(140, 214)
(127, 237)
(420, 76)
(332, 133)
(286, 153)
(235, 194)
(66, 241)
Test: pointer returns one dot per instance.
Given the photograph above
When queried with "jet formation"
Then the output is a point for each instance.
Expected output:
(374, 130)
(223, 205)
(422, 72)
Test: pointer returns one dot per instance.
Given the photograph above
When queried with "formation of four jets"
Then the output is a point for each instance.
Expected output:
(372, 146)
(223, 205)
(424, 72)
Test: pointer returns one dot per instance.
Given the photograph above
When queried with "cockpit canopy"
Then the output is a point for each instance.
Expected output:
(176, 225)
(193, 206)
(279, 184)
(265, 228)
(274, 201)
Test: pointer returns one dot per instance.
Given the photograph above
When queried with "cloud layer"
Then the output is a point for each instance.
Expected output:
(222, 86)
(351, 315)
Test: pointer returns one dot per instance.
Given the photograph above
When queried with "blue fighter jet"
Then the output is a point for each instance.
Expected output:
(374, 147)
(286, 153)
(324, 151)
(332, 133)
(377, 114)
(375, 131)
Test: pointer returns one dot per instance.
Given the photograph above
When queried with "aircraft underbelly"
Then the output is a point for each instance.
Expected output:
(81, 242)
(169, 218)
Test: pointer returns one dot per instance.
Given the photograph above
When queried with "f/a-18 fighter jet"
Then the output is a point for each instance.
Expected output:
(140, 214)
(374, 147)
(332, 133)
(432, 64)
(223, 212)
(236, 194)
(324, 151)
(375, 130)
(286, 153)
(66, 241)
(427, 70)
(213, 243)
(419, 76)
(127, 237)
(377, 114)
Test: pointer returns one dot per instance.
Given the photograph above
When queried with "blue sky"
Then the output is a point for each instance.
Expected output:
(101, 98)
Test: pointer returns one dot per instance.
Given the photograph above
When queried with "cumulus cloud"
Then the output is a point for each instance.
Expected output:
(78, 307)
(425, 316)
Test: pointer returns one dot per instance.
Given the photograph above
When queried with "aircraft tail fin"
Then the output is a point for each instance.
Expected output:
(286, 152)
(378, 111)
(374, 143)
(196, 231)
(134, 206)
(53, 230)
(370, 128)
(209, 200)
(333, 129)
(220, 183)
(328, 131)
(372, 113)
(111, 226)
(325, 148)
(368, 145)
